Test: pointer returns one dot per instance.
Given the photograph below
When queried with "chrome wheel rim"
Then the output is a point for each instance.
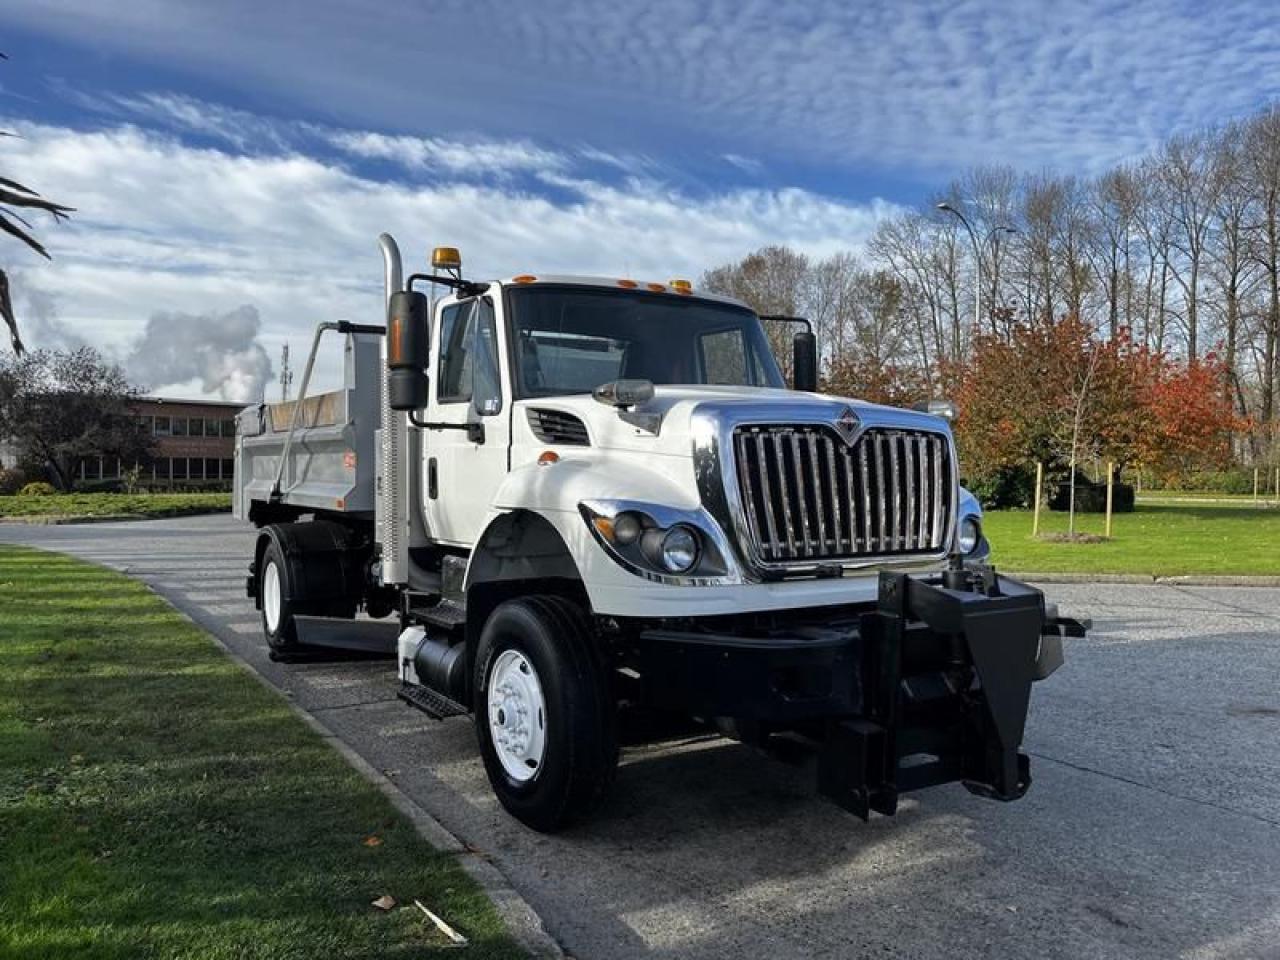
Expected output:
(517, 714)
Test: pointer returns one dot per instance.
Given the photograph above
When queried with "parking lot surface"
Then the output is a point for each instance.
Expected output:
(1152, 828)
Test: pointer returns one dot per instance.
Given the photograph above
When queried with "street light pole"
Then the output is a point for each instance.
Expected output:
(977, 259)
(977, 256)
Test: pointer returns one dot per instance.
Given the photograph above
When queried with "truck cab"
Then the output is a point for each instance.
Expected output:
(552, 495)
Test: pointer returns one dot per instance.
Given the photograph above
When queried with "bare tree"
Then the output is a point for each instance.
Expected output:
(1192, 184)
(58, 407)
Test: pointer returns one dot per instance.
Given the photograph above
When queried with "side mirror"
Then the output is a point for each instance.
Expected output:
(623, 393)
(804, 366)
(939, 408)
(408, 329)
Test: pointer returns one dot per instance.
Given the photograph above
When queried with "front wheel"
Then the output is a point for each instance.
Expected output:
(543, 713)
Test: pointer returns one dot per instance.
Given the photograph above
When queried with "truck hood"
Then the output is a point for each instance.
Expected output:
(672, 410)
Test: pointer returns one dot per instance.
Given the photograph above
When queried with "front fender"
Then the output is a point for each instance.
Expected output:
(561, 486)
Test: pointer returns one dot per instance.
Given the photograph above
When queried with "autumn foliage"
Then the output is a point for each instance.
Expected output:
(1046, 388)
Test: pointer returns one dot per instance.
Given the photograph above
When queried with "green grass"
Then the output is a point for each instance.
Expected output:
(1157, 539)
(1263, 497)
(155, 801)
(129, 505)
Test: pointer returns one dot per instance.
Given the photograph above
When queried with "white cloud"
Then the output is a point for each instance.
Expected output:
(194, 233)
(926, 86)
(449, 156)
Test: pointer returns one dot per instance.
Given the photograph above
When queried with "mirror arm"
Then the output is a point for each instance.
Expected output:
(475, 431)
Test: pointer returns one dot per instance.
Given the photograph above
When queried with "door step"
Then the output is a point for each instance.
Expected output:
(430, 702)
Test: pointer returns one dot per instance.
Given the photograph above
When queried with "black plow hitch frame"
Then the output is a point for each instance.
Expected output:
(948, 663)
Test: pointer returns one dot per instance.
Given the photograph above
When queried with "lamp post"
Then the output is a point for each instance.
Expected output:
(977, 255)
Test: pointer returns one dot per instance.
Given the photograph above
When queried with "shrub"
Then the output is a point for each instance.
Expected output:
(1092, 497)
(1004, 488)
(37, 489)
(11, 480)
(1239, 480)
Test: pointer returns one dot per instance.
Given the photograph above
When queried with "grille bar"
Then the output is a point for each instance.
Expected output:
(809, 496)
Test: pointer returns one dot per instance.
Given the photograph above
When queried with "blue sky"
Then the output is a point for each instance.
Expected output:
(234, 155)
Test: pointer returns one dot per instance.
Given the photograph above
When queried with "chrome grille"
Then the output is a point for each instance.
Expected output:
(809, 496)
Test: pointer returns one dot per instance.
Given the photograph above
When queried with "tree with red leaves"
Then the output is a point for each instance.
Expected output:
(1057, 393)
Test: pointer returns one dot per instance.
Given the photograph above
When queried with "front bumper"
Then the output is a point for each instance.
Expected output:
(929, 686)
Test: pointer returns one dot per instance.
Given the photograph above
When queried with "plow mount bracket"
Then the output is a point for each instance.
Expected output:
(948, 671)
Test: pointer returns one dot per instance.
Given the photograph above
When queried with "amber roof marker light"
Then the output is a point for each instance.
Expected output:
(446, 258)
(681, 286)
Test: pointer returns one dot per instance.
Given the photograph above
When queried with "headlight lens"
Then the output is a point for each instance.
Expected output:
(969, 536)
(679, 549)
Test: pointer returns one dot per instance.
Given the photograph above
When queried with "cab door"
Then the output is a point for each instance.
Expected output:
(468, 417)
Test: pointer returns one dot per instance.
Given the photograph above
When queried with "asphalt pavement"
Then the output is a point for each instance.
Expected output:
(1152, 828)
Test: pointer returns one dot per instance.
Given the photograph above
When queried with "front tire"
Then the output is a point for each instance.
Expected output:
(544, 715)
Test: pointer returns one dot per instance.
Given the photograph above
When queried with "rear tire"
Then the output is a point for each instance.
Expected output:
(544, 715)
(277, 597)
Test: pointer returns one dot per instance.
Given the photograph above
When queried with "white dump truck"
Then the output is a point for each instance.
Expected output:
(550, 496)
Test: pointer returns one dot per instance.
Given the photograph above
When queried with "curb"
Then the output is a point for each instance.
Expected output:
(1182, 580)
(521, 920)
(58, 520)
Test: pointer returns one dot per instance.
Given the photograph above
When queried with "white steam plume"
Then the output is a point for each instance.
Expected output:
(222, 351)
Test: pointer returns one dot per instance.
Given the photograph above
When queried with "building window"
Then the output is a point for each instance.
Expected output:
(228, 469)
(148, 424)
(228, 428)
(179, 426)
(161, 468)
(210, 469)
(195, 427)
(195, 468)
(179, 468)
(91, 468)
(163, 427)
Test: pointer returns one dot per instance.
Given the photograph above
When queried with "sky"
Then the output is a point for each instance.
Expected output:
(232, 163)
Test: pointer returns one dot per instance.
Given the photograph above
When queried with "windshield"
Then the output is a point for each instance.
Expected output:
(572, 339)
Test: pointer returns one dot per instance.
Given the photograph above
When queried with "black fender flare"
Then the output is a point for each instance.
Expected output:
(520, 553)
(323, 560)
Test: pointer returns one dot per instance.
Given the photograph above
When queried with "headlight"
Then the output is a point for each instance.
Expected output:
(679, 549)
(658, 542)
(969, 535)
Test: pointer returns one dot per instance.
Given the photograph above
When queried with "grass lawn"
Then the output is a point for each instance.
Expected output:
(1263, 497)
(155, 801)
(136, 506)
(1158, 539)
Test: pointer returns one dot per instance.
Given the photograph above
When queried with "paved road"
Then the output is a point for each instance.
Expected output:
(1152, 830)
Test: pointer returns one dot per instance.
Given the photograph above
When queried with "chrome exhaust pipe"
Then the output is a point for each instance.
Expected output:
(391, 517)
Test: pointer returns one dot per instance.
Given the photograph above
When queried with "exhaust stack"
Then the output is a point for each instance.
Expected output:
(391, 518)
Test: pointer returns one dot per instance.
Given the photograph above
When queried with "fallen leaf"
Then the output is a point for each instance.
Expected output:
(384, 902)
(373, 840)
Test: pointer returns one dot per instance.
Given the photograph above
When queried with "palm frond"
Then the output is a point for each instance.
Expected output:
(14, 199)
(22, 235)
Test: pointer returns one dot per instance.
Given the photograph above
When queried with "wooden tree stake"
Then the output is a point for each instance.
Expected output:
(1035, 516)
(1111, 472)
